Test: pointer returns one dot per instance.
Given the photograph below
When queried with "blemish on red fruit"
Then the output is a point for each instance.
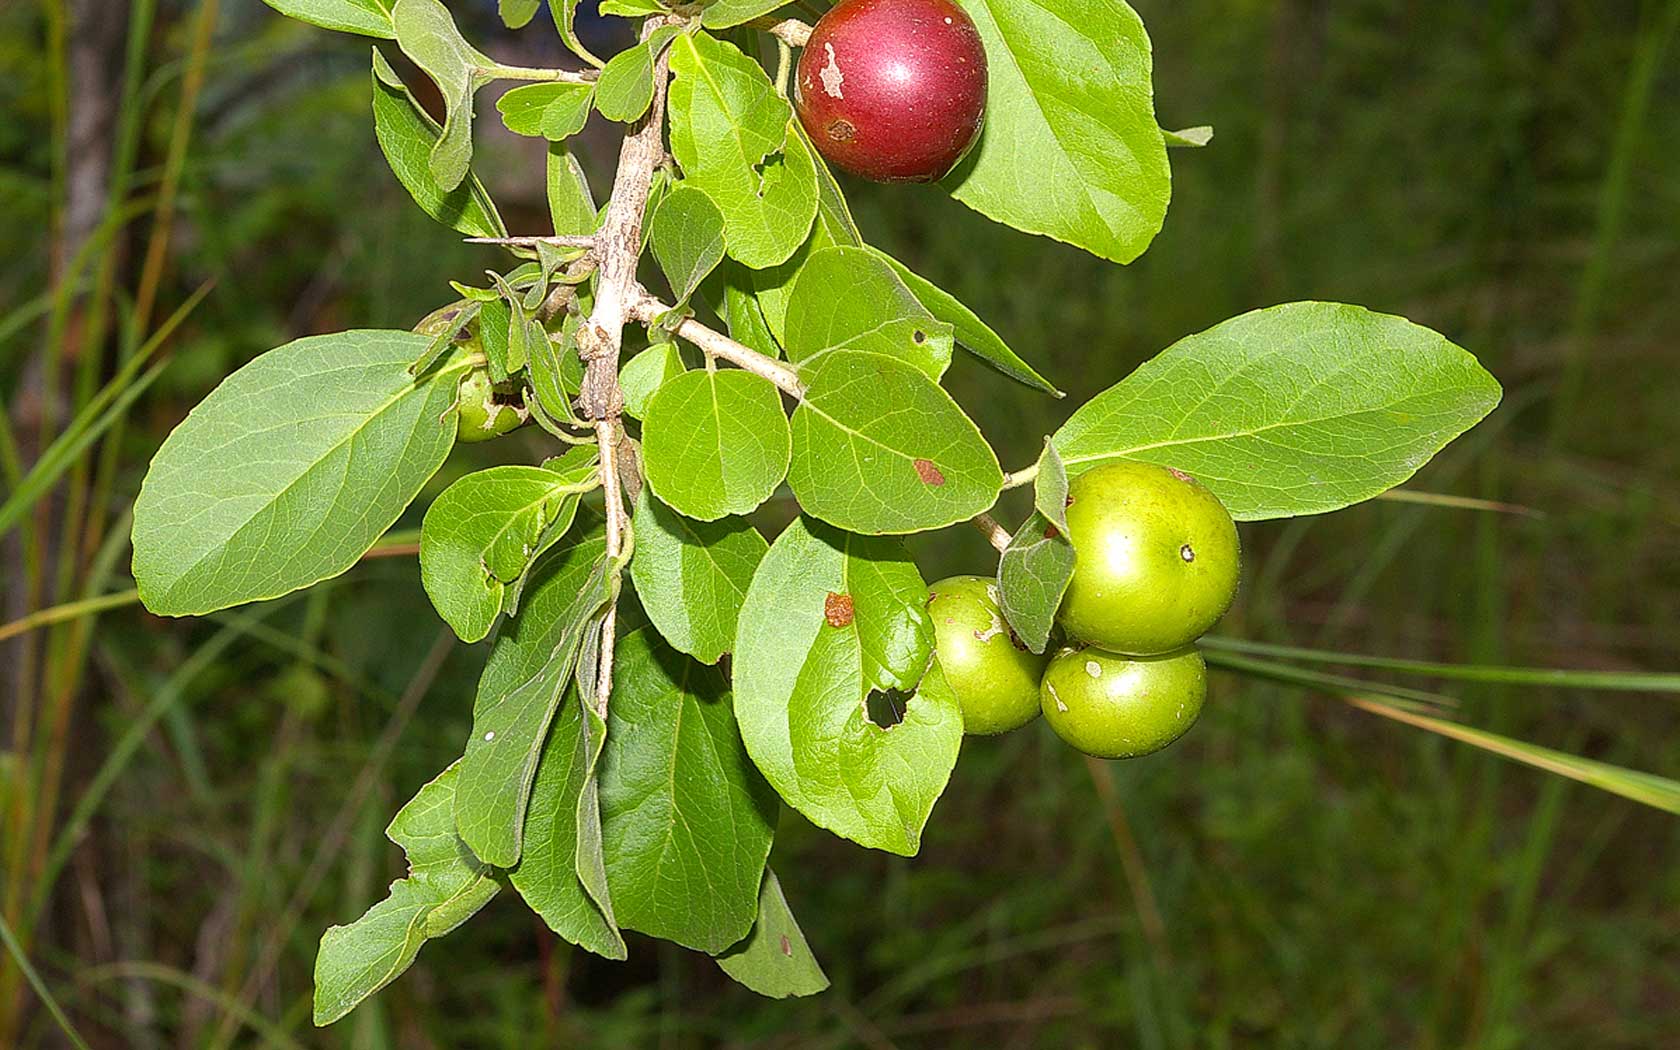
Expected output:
(837, 609)
(929, 473)
(903, 82)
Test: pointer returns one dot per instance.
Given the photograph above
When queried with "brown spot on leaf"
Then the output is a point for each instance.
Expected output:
(837, 609)
(1051, 532)
(929, 473)
(787, 948)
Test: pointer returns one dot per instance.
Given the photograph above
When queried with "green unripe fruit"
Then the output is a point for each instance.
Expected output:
(994, 676)
(484, 411)
(1114, 706)
(1157, 559)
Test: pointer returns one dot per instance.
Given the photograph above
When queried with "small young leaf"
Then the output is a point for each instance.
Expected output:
(426, 33)
(643, 375)
(625, 89)
(692, 576)
(1296, 409)
(687, 235)
(563, 836)
(367, 17)
(972, 333)
(290, 470)
(482, 533)
(551, 111)
(517, 14)
(571, 206)
(1189, 138)
(849, 298)
(529, 668)
(731, 133)
(406, 136)
(686, 819)
(1033, 574)
(878, 447)
(445, 886)
(830, 618)
(715, 442)
(774, 960)
(1068, 100)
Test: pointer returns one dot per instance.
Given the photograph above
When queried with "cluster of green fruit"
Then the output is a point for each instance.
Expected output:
(1157, 561)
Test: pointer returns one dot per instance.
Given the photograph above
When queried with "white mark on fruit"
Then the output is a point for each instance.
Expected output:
(1093, 668)
(830, 73)
(1056, 697)
(1187, 552)
(991, 632)
(947, 21)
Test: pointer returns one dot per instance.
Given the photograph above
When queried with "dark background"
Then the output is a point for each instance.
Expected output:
(1302, 874)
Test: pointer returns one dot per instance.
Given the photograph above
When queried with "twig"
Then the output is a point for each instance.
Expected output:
(581, 241)
(1024, 476)
(995, 534)
(606, 438)
(646, 309)
(790, 31)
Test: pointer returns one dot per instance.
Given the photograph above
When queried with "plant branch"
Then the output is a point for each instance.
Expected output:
(790, 31)
(545, 76)
(646, 309)
(1024, 476)
(583, 241)
(995, 534)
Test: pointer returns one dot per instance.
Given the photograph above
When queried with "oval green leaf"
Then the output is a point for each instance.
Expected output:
(715, 442)
(692, 575)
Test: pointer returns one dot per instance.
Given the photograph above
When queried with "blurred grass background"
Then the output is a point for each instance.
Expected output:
(185, 805)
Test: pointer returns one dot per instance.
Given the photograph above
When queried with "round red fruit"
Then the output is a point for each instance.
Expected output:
(893, 90)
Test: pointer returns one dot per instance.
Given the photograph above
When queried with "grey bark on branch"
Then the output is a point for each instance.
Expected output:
(647, 309)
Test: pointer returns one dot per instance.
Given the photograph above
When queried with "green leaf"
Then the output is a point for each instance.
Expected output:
(367, 17)
(565, 15)
(726, 13)
(686, 818)
(774, 959)
(715, 442)
(833, 226)
(571, 206)
(687, 235)
(730, 132)
(1070, 148)
(742, 313)
(290, 470)
(1050, 486)
(552, 111)
(528, 671)
(562, 836)
(878, 447)
(1033, 574)
(625, 89)
(849, 298)
(692, 576)
(446, 886)
(1295, 409)
(483, 532)
(406, 136)
(972, 333)
(830, 618)
(630, 8)
(643, 375)
(426, 33)
(1189, 138)
(517, 14)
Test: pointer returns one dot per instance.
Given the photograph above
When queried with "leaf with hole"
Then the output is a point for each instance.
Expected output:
(850, 298)
(1296, 409)
(446, 885)
(878, 447)
(715, 442)
(685, 817)
(290, 470)
(692, 576)
(832, 618)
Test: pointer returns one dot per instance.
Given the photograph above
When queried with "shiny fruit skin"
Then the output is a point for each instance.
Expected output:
(483, 411)
(993, 675)
(893, 90)
(1114, 706)
(1157, 559)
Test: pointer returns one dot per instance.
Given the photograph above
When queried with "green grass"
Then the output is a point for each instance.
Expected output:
(1298, 872)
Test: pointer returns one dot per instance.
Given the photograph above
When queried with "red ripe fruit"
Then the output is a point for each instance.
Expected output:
(893, 90)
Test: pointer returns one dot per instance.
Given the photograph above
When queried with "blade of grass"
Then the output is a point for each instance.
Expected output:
(1647, 788)
(1563, 678)
(1335, 684)
(270, 1034)
(40, 986)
